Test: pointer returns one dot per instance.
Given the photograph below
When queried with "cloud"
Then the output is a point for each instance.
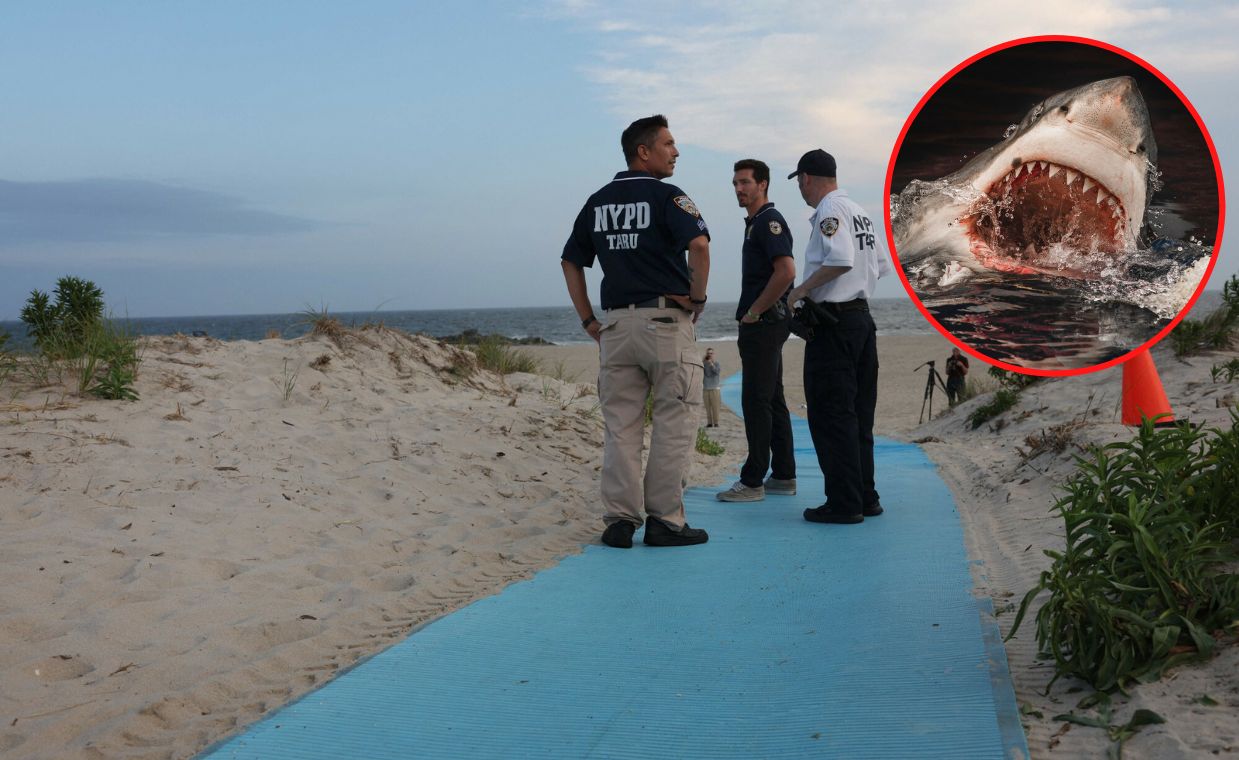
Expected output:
(774, 79)
(116, 210)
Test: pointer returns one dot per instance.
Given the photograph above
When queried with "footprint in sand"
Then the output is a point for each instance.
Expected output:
(61, 667)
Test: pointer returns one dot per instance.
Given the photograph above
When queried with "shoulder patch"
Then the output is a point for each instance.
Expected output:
(776, 228)
(686, 205)
(829, 226)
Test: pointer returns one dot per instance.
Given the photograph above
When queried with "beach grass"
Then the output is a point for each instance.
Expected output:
(495, 355)
(321, 322)
(1004, 399)
(1142, 584)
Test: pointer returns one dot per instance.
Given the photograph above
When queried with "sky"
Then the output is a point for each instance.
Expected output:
(230, 157)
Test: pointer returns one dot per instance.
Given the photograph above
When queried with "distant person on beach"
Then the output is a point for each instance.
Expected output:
(712, 387)
(767, 271)
(956, 371)
(845, 257)
(639, 228)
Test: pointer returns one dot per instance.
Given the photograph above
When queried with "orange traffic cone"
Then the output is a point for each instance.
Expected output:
(1142, 392)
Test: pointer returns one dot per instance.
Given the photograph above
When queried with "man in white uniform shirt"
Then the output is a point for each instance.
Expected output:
(843, 261)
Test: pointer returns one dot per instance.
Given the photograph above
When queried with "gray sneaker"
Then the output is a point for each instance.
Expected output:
(781, 487)
(741, 492)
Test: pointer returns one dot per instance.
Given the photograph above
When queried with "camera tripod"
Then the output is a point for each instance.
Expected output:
(928, 399)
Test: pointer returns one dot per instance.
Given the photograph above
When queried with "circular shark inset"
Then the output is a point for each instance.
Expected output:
(1062, 244)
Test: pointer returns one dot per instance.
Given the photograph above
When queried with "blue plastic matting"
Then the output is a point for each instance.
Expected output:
(778, 638)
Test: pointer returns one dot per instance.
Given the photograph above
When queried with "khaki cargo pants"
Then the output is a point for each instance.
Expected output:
(644, 349)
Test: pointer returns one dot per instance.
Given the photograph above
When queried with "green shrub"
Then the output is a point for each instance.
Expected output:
(1216, 331)
(60, 329)
(72, 336)
(1141, 583)
(707, 446)
(1004, 399)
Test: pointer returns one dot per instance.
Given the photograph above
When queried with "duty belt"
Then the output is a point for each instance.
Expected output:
(659, 302)
(857, 304)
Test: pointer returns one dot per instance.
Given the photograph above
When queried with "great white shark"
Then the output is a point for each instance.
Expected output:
(1064, 192)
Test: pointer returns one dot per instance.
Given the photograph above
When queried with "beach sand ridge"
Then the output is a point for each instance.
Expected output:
(271, 512)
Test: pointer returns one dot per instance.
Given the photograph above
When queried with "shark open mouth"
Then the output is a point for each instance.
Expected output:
(1049, 218)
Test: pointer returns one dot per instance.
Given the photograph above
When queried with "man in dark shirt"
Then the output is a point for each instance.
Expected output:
(956, 372)
(768, 269)
(638, 227)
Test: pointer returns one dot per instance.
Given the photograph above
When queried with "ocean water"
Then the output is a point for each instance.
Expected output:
(556, 324)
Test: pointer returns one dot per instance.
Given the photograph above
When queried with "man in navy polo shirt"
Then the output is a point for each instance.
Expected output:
(639, 227)
(768, 269)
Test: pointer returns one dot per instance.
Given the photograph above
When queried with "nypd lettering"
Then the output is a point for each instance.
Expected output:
(862, 230)
(621, 216)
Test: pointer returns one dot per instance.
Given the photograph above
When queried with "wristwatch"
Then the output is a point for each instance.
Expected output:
(585, 323)
(695, 301)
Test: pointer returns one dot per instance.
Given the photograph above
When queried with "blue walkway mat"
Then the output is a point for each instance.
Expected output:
(777, 639)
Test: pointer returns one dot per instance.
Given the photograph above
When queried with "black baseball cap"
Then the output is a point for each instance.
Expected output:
(816, 162)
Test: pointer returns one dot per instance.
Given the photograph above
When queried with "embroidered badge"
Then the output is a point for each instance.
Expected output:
(686, 204)
(829, 226)
(776, 228)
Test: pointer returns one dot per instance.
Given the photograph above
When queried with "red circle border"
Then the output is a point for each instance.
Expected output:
(1217, 243)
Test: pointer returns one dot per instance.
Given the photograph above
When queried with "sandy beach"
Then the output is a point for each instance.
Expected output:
(270, 512)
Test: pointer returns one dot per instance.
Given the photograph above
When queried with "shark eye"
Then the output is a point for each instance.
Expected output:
(1140, 148)
(1062, 109)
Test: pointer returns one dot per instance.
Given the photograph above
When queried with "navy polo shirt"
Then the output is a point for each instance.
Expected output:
(766, 238)
(639, 228)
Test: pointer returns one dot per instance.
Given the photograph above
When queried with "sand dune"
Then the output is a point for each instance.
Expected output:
(175, 566)
(270, 512)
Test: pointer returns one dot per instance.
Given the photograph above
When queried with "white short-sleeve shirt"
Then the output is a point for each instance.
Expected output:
(844, 235)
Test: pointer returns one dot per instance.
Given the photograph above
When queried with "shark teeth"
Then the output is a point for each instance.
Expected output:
(1048, 170)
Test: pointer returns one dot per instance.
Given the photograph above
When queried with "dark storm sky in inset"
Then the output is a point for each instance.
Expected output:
(972, 110)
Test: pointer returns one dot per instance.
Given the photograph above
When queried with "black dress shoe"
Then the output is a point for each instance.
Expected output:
(659, 533)
(619, 534)
(824, 514)
(872, 510)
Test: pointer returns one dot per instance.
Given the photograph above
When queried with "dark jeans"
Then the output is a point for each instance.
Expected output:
(767, 424)
(954, 389)
(841, 386)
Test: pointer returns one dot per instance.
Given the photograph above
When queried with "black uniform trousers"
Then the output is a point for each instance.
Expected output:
(841, 387)
(767, 423)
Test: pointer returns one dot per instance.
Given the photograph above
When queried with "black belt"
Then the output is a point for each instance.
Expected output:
(658, 302)
(856, 304)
